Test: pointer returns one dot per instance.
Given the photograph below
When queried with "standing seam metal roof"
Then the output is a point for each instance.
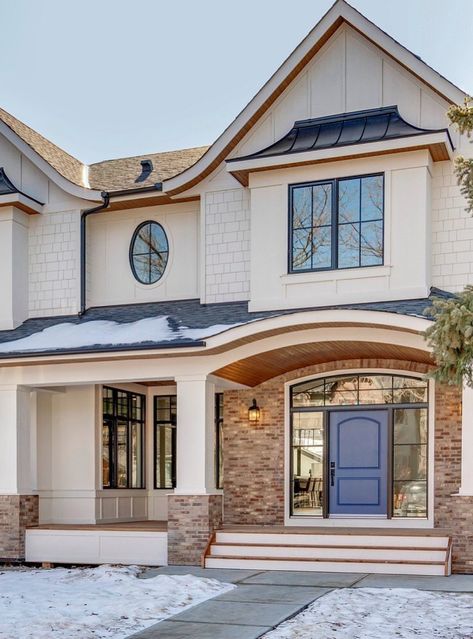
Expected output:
(343, 129)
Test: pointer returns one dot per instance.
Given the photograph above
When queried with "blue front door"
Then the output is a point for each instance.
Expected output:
(358, 462)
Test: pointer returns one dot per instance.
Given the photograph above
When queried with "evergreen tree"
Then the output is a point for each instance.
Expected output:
(451, 336)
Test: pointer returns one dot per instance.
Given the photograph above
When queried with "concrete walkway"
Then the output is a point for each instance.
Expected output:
(264, 599)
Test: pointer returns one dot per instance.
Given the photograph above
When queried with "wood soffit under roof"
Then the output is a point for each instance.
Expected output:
(61, 358)
(256, 369)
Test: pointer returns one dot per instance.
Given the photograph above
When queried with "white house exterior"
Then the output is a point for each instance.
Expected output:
(147, 301)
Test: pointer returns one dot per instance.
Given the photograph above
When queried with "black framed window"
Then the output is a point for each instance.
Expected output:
(219, 440)
(149, 252)
(336, 224)
(123, 430)
(165, 422)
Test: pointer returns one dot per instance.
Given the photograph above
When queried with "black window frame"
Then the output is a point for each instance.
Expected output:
(159, 426)
(132, 255)
(325, 409)
(111, 420)
(334, 182)
(219, 469)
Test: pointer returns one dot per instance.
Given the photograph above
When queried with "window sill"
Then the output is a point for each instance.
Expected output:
(337, 275)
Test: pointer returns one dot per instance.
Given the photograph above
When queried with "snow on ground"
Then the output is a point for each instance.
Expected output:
(93, 603)
(382, 613)
(105, 332)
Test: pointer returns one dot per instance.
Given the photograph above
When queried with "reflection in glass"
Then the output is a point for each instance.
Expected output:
(359, 389)
(410, 499)
(105, 455)
(122, 456)
(122, 439)
(311, 227)
(307, 463)
(165, 441)
(149, 252)
(410, 462)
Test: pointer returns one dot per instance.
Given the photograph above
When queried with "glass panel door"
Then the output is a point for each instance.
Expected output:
(307, 463)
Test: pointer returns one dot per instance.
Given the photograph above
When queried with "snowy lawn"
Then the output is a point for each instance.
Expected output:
(382, 613)
(93, 603)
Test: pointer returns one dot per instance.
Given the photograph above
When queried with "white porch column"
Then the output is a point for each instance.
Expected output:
(195, 507)
(16, 452)
(195, 436)
(466, 487)
(18, 504)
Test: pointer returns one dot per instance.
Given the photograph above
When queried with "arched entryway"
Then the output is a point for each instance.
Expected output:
(359, 446)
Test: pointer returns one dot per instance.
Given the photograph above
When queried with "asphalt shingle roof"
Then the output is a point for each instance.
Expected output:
(191, 314)
(109, 175)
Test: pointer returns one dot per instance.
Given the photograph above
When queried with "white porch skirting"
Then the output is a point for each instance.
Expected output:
(97, 546)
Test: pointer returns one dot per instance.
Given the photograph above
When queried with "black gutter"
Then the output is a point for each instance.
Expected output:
(83, 233)
(83, 247)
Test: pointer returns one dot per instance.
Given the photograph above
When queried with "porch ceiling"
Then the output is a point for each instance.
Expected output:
(256, 369)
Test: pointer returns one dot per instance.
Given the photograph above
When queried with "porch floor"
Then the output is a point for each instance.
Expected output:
(135, 526)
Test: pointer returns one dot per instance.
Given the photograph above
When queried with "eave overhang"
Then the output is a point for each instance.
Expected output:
(10, 195)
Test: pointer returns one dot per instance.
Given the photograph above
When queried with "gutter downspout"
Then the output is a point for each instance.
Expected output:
(83, 248)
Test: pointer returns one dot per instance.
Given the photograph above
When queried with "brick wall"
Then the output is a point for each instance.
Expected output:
(17, 512)
(254, 456)
(227, 251)
(54, 264)
(191, 521)
(452, 231)
(254, 453)
(452, 512)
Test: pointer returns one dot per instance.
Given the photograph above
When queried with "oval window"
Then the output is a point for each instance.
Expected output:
(149, 252)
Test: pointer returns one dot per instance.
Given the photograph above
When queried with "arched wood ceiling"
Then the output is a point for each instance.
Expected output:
(256, 369)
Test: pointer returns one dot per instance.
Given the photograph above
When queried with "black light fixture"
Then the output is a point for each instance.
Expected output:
(254, 412)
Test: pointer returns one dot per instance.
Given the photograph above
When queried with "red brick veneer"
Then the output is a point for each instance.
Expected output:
(17, 512)
(191, 521)
(254, 455)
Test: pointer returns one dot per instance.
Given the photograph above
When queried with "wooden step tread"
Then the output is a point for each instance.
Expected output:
(323, 546)
(330, 559)
(334, 531)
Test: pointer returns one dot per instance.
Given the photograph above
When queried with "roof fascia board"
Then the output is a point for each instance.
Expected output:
(21, 201)
(340, 13)
(63, 183)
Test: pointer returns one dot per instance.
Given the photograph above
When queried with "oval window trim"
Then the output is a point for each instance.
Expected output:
(149, 274)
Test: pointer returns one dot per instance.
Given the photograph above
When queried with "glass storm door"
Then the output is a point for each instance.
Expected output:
(358, 462)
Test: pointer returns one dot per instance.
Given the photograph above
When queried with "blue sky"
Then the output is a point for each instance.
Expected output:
(111, 78)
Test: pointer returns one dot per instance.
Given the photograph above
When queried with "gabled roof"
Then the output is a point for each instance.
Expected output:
(180, 170)
(339, 14)
(64, 163)
(109, 175)
(344, 129)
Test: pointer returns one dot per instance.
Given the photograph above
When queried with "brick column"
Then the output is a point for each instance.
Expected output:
(191, 521)
(195, 508)
(18, 504)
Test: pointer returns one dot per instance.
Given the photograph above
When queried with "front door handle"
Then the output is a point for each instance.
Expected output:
(332, 473)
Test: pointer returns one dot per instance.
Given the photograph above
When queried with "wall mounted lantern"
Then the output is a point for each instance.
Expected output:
(254, 412)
